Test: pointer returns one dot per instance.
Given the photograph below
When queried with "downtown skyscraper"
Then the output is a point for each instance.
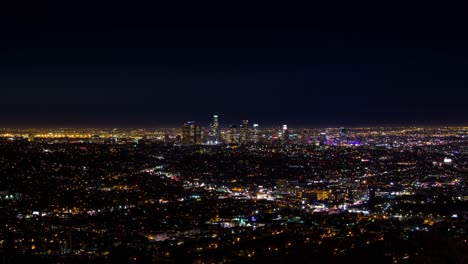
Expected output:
(215, 132)
(191, 133)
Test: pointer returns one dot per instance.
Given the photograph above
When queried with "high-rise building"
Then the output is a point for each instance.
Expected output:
(323, 139)
(232, 135)
(245, 131)
(255, 133)
(343, 135)
(285, 133)
(191, 133)
(214, 133)
(215, 128)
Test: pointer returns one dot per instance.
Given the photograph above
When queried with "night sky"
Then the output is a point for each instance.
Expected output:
(327, 64)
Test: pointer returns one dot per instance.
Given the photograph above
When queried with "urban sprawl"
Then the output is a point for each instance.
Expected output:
(234, 193)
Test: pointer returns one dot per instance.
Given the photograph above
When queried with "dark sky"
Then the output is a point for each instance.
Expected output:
(331, 63)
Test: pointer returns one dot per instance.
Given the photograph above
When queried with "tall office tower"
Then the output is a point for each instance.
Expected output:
(343, 135)
(115, 136)
(245, 132)
(186, 132)
(191, 133)
(255, 133)
(285, 133)
(232, 135)
(215, 128)
(214, 133)
(323, 139)
(197, 134)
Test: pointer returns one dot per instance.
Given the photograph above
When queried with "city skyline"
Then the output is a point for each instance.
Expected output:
(227, 120)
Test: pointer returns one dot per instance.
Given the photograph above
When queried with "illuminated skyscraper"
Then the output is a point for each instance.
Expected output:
(191, 133)
(285, 133)
(232, 135)
(215, 133)
(255, 133)
(215, 126)
(343, 135)
(323, 139)
(245, 132)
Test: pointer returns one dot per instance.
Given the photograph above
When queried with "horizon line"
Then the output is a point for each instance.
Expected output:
(261, 127)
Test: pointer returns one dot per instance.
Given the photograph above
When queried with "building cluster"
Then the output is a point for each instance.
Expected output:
(193, 133)
(246, 133)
